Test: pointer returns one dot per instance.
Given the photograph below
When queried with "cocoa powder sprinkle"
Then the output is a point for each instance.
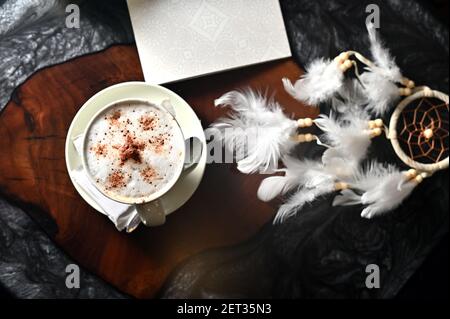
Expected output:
(114, 118)
(147, 122)
(100, 150)
(149, 174)
(116, 180)
(131, 150)
(158, 143)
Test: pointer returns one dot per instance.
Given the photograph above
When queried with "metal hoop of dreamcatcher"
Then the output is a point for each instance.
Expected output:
(419, 131)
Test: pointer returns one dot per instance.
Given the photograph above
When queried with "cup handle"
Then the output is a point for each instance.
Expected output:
(194, 150)
(152, 213)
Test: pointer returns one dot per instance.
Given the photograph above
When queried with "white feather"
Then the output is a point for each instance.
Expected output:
(384, 61)
(348, 139)
(378, 208)
(380, 92)
(350, 97)
(310, 178)
(336, 162)
(383, 188)
(322, 80)
(309, 173)
(297, 173)
(313, 179)
(369, 176)
(379, 83)
(299, 199)
(347, 197)
(363, 179)
(387, 195)
(273, 186)
(261, 131)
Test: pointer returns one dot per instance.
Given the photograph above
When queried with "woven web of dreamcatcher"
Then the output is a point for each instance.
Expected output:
(421, 115)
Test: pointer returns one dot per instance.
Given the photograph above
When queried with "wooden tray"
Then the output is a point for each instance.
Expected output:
(33, 127)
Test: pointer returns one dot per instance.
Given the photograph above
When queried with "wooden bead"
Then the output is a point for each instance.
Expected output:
(411, 173)
(344, 56)
(428, 133)
(300, 138)
(341, 58)
(308, 122)
(347, 64)
(379, 123)
(418, 179)
(375, 132)
(342, 68)
(405, 91)
(309, 137)
(339, 186)
(410, 84)
(305, 138)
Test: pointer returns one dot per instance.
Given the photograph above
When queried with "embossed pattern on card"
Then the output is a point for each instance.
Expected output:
(183, 39)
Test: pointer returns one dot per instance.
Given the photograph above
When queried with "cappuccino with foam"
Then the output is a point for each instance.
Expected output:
(134, 150)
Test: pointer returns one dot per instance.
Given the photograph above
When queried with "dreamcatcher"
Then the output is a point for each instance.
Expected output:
(418, 132)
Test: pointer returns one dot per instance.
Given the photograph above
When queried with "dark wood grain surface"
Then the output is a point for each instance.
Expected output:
(223, 211)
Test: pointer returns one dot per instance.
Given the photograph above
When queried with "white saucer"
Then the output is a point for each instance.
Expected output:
(188, 120)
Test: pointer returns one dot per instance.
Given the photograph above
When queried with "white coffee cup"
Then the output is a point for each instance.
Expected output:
(149, 208)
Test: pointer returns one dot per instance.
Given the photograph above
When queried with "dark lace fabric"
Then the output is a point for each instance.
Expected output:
(31, 266)
(323, 251)
(33, 35)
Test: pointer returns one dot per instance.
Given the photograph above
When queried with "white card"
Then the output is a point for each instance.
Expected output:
(181, 39)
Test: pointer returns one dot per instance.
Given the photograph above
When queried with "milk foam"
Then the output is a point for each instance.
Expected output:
(134, 150)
